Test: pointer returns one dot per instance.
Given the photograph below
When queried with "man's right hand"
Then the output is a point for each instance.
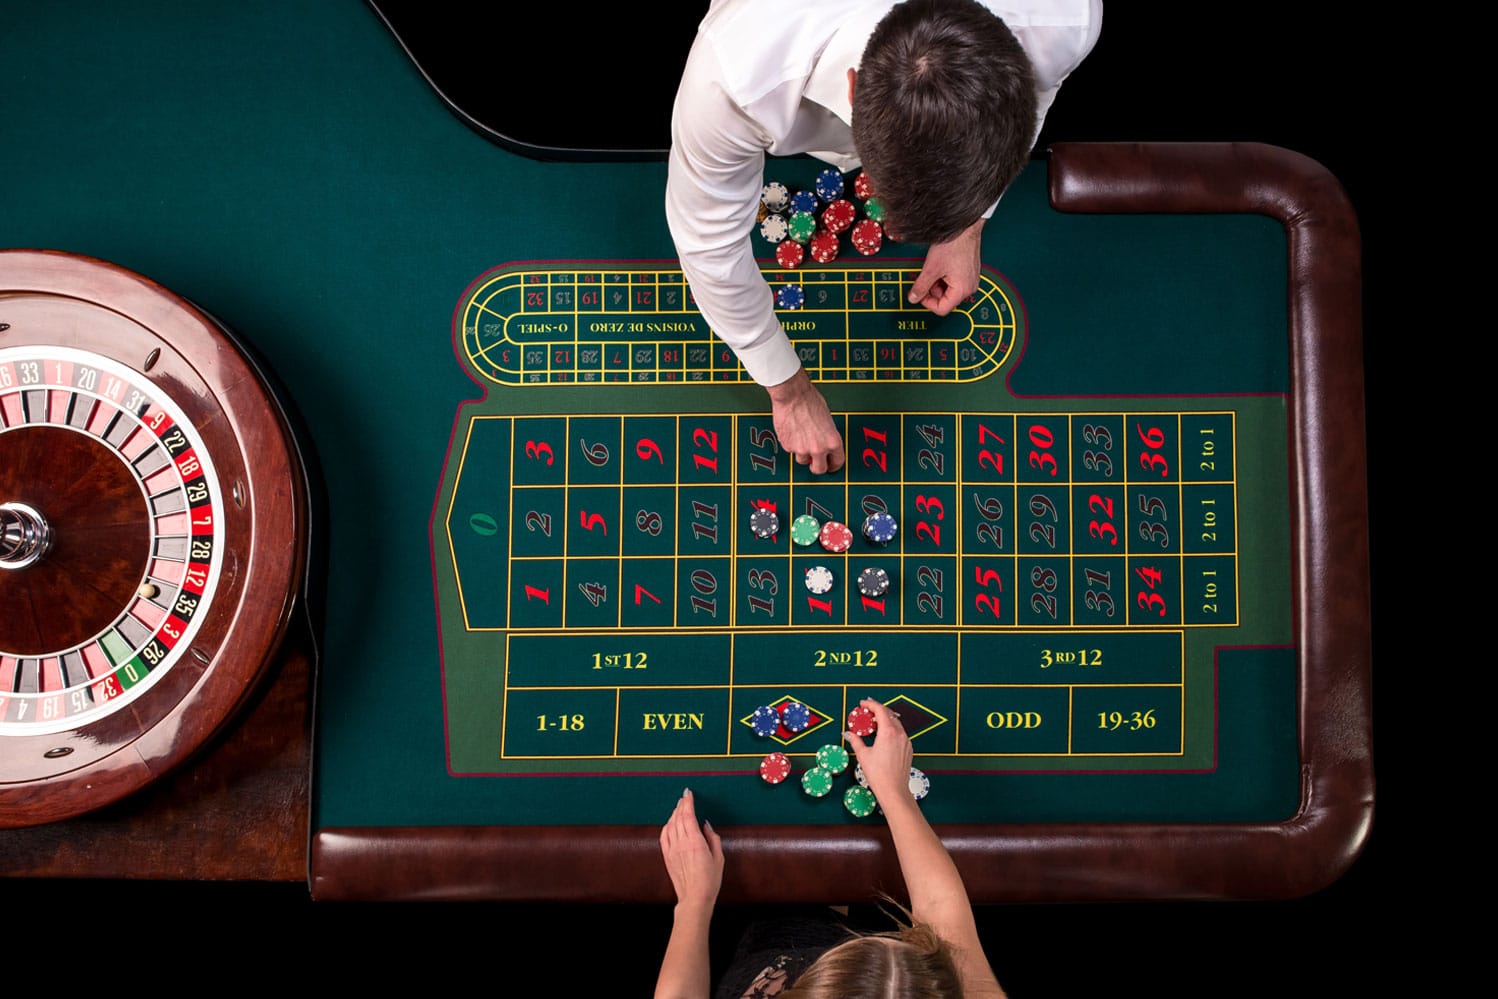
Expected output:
(804, 424)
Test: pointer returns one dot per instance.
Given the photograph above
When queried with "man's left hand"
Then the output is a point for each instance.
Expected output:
(951, 271)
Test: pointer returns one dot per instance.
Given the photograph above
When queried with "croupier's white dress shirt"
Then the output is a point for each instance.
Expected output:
(771, 76)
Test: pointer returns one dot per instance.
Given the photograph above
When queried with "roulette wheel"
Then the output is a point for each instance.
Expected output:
(153, 532)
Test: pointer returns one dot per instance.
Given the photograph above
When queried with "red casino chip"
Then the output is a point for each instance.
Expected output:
(861, 722)
(775, 768)
(836, 536)
(825, 246)
(840, 215)
(789, 254)
(861, 186)
(868, 237)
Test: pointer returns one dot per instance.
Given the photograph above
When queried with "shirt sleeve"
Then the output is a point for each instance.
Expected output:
(1071, 45)
(712, 195)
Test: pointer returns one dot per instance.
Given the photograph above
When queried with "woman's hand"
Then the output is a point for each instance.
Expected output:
(694, 856)
(885, 761)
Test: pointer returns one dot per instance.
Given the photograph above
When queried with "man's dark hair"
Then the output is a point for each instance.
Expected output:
(943, 114)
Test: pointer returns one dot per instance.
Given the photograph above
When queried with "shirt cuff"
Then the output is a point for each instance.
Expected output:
(771, 362)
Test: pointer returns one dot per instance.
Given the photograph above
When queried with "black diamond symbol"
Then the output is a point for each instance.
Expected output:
(915, 717)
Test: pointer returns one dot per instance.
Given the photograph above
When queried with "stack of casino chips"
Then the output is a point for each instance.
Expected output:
(832, 759)
(767, 720)
(879, 529)
(774, 228)
(859, 801)
(802, 227)
(805, 202)
(775, 197)
(918, 782)
(811, 223)
(868, 237)
(835, 537)
(824, 246)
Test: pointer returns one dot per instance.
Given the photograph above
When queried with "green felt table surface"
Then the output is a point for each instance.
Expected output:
(289, 170)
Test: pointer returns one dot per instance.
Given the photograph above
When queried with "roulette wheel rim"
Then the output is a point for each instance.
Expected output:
(131, 417)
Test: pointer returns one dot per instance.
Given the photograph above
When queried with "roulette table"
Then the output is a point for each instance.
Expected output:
(1127, 602)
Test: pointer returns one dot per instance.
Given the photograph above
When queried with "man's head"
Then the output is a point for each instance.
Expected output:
(943, 115)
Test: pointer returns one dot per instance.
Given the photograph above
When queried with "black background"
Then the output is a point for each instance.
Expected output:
(1310, 81)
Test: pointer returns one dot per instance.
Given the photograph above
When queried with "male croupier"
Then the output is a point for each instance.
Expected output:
(939, 101)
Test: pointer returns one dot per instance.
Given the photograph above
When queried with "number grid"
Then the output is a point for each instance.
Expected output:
(1085, 515)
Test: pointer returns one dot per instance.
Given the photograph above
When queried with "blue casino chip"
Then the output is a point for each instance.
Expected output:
(880, 528)
(796, 716)
(790, 297)
(829, 185)
(766, 721)
(803, 201)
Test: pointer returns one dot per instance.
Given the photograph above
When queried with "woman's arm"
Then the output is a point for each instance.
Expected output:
(937, 895)
(694, 860)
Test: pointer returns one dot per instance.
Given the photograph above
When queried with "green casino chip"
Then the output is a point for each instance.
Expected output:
(833, 757)
(802, 226)
(860, 801)
(817, 781)
(805, 530)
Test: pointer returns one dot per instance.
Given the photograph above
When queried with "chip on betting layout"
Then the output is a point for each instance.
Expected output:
(861, 721)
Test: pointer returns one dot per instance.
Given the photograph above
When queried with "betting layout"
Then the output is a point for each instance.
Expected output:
(611, 606)
(536, 325)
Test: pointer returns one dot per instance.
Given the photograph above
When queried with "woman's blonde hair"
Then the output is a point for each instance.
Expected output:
(910, 962)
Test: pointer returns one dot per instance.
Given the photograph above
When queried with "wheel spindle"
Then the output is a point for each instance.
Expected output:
(24, 535)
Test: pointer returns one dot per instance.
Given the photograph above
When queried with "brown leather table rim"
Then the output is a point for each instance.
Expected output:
(1057, 862)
